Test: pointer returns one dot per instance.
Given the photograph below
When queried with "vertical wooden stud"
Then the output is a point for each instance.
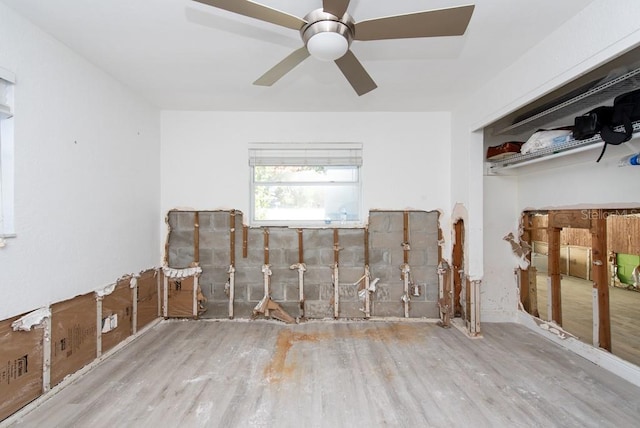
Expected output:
(245, 233)
(196, 238)
(525, 297)
(457, 267)
(46, 356)
(336, 277)
(554, 273)
(232, 238)
(600, 275)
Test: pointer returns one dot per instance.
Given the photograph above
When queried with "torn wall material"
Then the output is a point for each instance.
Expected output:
(182, 295)
(73, 335)
(117, 308)
(148, 297)
(21, 366)
(316, 245)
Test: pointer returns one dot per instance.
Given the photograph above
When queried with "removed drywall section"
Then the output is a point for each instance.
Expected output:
(148, 296)
(318, 285)
(21, 363)
(182, 297)
(320, 249)
(116, 317)
(181, 234)
(40, 349)
(351, 268)
(386, 229)
(73, 335)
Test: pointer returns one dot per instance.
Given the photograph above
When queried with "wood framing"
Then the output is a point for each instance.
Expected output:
(569, 218)
(554, 273)
(445, 293)
(594, 226)
(336, 274)
(600, 276)
(196, 238)
(525, 296)
(457, 265)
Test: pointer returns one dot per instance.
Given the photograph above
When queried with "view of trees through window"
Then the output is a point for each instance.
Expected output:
(306, 193)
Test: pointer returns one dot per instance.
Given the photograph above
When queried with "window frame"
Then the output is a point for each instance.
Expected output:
(306, 154)
(7, 152)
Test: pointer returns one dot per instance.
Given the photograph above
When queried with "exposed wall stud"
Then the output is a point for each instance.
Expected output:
(525, 297)
(445, 293)
(134, 299)
(196, 238)
(232, 262)
(336, 274)
(600, 275)
(245, 233)
(554, 273)
(98, 325)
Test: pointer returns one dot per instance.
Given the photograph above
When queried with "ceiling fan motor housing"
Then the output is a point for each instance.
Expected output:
(334, 35)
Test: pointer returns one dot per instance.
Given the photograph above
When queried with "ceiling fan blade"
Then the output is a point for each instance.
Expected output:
(355, 73)
(283, 67)
(432, 23)
(335, 7)
(258, 11)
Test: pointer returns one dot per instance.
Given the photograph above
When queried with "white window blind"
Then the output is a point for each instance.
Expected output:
(305, 183)
(333, 154)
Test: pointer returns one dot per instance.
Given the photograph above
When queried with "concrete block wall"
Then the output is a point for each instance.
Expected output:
(386, 235)
(386, 254)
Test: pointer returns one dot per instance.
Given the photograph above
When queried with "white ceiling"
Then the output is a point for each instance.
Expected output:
(184, 55)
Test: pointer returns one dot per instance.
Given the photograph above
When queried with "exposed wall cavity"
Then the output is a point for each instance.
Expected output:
(393, 244)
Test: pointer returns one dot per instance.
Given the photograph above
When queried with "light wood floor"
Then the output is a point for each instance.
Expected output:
(577, 314)
(347, 374)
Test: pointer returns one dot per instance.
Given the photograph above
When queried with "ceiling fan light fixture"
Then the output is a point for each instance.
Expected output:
(327, 46)
(327, 37)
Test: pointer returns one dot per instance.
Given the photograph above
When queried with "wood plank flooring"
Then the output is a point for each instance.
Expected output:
(340, 374)
(577, 314)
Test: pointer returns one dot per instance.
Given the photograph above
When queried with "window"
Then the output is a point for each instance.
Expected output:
(305, 184)
(6, 155)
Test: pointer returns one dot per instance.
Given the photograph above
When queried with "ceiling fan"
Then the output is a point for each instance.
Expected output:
(328, 32)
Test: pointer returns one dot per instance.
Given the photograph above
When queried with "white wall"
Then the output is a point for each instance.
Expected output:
(205, 163)
(593, 36)
(86, 174)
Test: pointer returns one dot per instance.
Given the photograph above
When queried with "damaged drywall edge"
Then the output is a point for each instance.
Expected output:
(612, 363)
(460, 213)
(520, 250)
(73, 377)
(165, 258)
(549, 328)
(444, 247)
(32, 319)
(174, 273)
(106, 290)
(553, 328)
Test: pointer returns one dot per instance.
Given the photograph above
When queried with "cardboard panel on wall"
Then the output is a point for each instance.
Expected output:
(73, 335)
(180, 304)
(20, 367)
(147, 297)
(117, 309)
